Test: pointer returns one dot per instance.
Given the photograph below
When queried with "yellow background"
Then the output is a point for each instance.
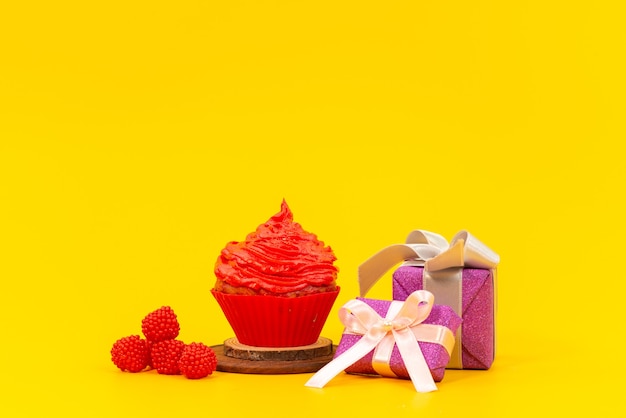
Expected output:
(137, 138)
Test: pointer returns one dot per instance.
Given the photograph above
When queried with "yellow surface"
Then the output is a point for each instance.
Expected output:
(137, 138)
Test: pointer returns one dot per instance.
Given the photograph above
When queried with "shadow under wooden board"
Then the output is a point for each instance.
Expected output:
(234, 357)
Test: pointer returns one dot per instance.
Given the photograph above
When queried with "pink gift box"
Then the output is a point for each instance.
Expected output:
(435, 355)
(477, 336)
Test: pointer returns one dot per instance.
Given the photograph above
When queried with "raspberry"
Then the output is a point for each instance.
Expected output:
(165, 356)
(160, 325)
(130, 353)
(197, 361)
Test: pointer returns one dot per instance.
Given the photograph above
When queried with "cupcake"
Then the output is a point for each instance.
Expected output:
(278, 286)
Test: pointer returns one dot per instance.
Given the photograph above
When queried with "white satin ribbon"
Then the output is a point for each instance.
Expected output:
(404, 328)
(430, 250)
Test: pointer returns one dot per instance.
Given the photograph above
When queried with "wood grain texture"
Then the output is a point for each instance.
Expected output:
(239, 358)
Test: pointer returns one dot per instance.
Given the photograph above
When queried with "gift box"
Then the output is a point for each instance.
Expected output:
(461, 274)
(410, 339)
(477, 334)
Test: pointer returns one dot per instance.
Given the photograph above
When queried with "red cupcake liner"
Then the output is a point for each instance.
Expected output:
(274, 321)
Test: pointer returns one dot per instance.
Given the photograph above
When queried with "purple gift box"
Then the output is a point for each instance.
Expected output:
(477, 336)
(435, 354)
(461, 274)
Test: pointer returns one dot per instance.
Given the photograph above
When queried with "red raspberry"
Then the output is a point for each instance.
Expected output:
(130, 353)
(197, 361)
(160, 325)
(165, 356)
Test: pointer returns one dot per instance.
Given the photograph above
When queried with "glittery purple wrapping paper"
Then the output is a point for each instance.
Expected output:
(478, 329)
(436, 356)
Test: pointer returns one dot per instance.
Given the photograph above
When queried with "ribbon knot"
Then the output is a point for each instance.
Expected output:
(402, 326)
(387, 326)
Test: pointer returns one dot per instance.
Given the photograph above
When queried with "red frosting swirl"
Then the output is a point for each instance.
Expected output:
(278, 258)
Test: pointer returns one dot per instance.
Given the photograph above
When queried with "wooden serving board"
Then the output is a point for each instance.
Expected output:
(234, 357)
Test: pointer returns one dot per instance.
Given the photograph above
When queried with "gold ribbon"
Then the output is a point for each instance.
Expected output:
(402, 327)
(443, 264)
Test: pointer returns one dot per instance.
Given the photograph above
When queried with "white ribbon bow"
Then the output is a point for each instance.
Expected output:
(405, 329)
(430, 250)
